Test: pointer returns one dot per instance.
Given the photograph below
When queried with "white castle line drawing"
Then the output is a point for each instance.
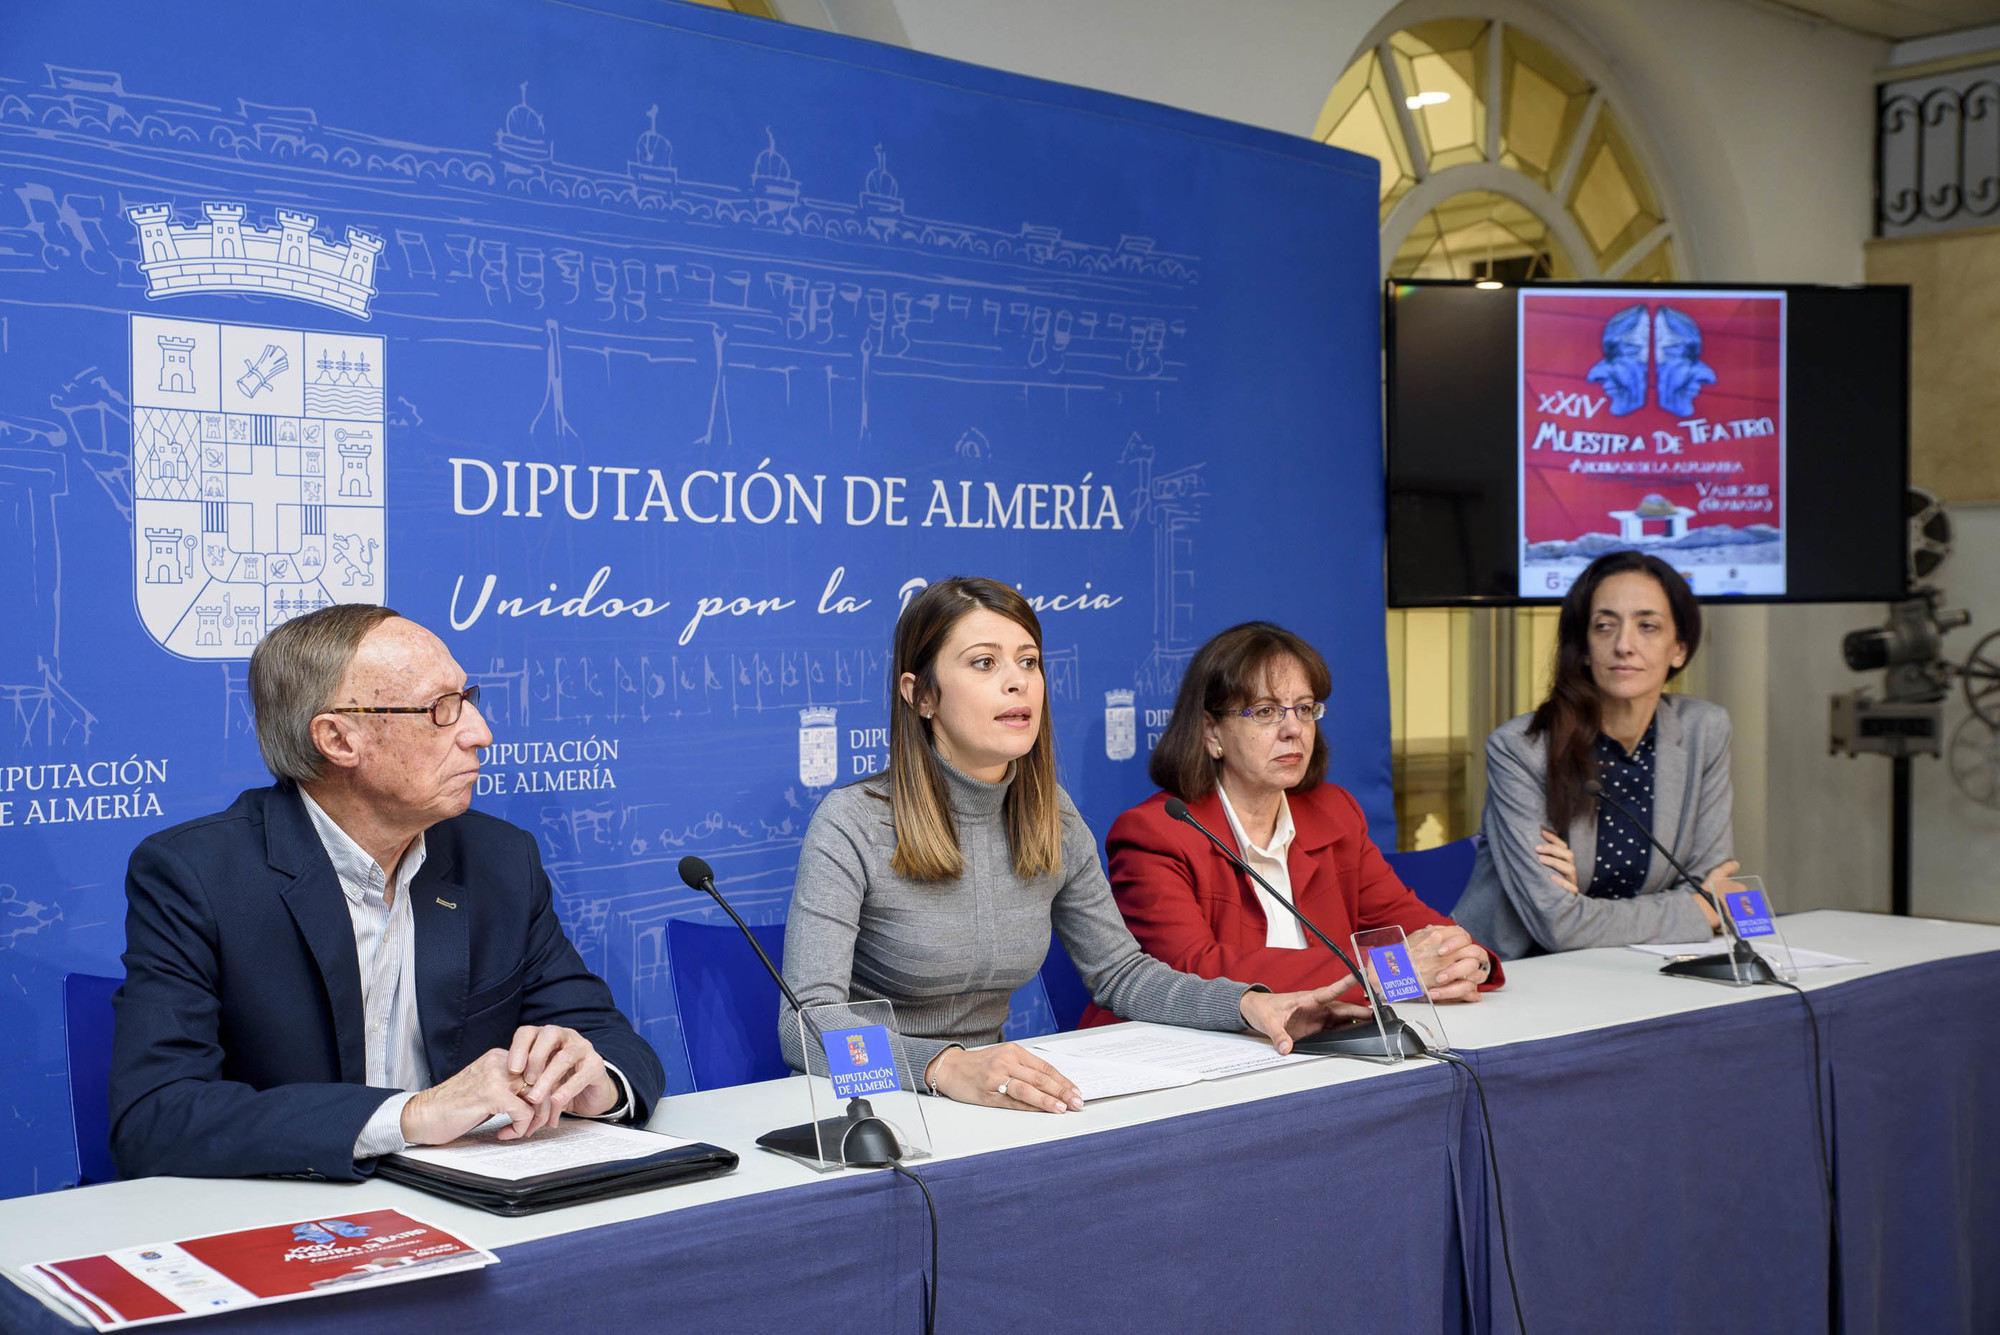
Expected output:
(176, 368)
(354, 447)
(169, 555)
(223, 255)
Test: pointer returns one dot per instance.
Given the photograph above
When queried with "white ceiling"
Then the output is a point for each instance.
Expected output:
(1900, 20)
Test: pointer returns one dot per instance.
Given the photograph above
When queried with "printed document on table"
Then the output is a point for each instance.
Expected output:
(1161, 1054)
(1098, 1078)
(572, 1143)
(1801, 959)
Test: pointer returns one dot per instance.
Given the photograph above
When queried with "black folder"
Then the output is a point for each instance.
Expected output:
(571, 1186)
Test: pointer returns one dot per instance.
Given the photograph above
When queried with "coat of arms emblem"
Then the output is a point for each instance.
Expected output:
(257, 478)
(1121, 726)
(819, 746)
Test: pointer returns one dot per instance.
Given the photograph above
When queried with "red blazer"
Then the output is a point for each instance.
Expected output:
(1189, 907)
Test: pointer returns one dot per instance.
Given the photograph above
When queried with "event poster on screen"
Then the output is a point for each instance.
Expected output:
(1653, 420)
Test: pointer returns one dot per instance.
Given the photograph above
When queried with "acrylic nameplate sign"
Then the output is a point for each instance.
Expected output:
(1390, 958)
(1748, 905)
(862, 1108)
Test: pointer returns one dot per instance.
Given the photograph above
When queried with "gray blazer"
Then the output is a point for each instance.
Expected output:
(1513, 906)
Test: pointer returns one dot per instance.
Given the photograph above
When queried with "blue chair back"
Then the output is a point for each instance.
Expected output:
(1049, 1002)
(1067, 994)
(728, 1004)
(1439, 875)
(1028, 1013)
(87, 1044)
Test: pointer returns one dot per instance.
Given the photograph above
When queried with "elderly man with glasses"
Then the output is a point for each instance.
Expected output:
(351, 961)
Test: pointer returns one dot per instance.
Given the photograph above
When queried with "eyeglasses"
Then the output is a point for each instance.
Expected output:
(444, 710)
(1267, 716)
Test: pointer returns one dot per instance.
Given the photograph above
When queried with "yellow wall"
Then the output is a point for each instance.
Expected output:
(1954, 285)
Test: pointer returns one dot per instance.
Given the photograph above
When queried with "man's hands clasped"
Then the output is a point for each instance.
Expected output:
(545, 1072)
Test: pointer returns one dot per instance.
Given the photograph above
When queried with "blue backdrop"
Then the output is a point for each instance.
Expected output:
(649, 355)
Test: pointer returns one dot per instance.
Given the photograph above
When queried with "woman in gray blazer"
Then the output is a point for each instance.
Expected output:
(1559, 869)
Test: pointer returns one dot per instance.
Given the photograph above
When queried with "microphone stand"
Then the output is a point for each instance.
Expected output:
(1384, 1037)
(864, 1140)
(1740, 965)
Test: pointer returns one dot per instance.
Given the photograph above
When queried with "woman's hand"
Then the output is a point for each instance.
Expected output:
(1554, 854)
(1718, 884)
(1451, 964)
(1284, 1016)
(1005, 1075)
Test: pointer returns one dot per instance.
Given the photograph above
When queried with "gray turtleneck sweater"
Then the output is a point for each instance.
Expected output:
(949, 954)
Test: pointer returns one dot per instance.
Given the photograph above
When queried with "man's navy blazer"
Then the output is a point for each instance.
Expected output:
(239, 1047)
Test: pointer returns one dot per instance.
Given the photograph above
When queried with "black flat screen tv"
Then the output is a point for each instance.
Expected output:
(1755, 437)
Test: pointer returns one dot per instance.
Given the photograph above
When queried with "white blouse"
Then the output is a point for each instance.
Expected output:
(1281, 929)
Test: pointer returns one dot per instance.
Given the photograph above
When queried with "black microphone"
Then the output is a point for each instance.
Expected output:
(864, 1140)
(1393, 1038)
(1740, 965)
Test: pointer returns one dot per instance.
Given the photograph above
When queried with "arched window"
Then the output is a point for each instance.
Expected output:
(1500, 158)
(1503, 156)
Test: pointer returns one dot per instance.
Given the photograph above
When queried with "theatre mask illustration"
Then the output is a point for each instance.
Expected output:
(1622, 373)
(1681, 373)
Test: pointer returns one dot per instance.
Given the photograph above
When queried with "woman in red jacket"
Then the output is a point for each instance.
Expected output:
(1244, 751)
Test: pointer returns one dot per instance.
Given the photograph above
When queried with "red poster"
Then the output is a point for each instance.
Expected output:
(1653, 419)
(168, 1280)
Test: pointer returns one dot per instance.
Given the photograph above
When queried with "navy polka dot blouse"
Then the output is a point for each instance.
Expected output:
(1622, 851)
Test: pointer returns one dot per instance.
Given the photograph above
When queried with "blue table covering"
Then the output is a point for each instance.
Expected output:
(1915, 1088)
(1661, 1176)
(1331, 1209)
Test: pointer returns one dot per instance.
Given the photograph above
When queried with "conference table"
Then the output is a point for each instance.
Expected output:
(1658, 1143)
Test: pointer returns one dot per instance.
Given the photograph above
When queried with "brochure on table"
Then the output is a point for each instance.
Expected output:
(252, 1267)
